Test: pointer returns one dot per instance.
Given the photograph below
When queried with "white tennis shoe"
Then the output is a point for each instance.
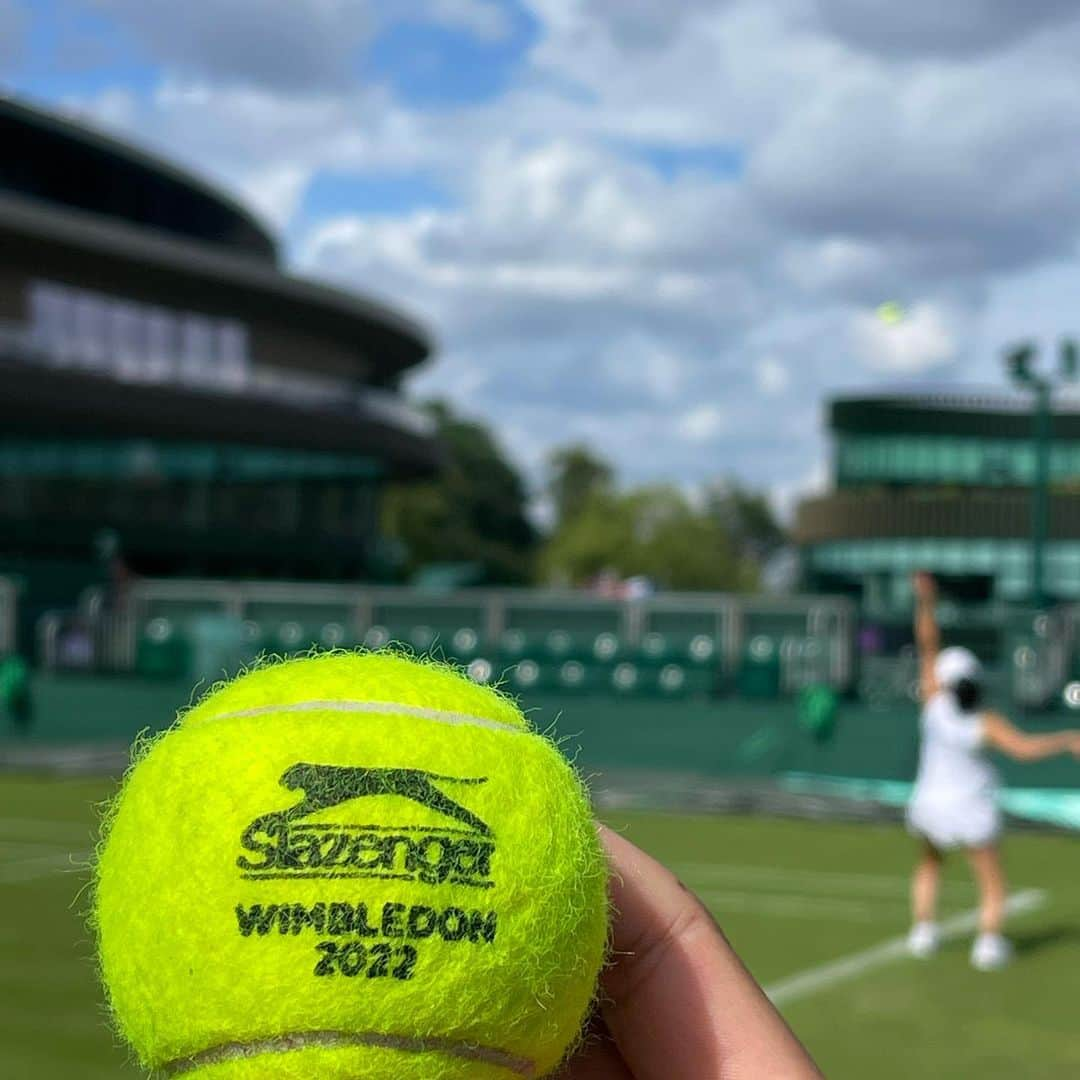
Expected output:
(991, 952)
(923, 940)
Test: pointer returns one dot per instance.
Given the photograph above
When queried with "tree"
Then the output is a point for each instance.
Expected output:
(748, 519)
(575, 474)
(473, 511)
(652, 531)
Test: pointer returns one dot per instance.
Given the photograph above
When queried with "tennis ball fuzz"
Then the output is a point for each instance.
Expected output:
(351, 867)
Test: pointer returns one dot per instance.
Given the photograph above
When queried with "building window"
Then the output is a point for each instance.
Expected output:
(136, 342)
(128, 340)
(232, 353)
(196, 350)
(91, 321)
(159, 364)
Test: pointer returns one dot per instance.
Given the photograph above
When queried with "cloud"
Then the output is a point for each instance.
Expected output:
(481, 18)
(263, 145)
(299, 46)
(702, 423)
(773, 377)
(949, 172)
(638, 25)
(561, 238)
(923, 339)
(291, 46)
(957, 28)
(685, 323)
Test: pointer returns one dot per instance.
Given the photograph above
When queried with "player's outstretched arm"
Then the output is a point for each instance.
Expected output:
(927, 631)
(678, 1002)
(1021, 746)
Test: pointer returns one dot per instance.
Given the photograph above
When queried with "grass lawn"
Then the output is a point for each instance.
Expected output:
(792, 896)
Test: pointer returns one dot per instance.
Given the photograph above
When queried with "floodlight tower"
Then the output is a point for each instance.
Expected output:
(1020, 362)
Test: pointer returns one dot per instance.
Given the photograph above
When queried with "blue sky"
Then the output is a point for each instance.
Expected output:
(442, 67)
(627, 223)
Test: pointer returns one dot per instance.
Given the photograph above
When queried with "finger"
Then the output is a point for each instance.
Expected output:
(598, 1059)
(680, 1002)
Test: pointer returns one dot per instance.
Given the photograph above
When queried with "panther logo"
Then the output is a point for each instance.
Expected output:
(283, 843)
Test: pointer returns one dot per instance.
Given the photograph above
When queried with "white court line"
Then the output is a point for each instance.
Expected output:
(825, 976)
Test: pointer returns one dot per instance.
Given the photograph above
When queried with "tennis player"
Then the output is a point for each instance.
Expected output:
(954, 803)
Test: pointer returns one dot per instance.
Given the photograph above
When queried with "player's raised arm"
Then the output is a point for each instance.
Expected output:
(927, 632)
(1021, 746)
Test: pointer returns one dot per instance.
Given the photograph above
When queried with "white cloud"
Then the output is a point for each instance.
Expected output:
(563, 240)
(275, 192)
(960, 27)
(642, 364)
(482, 18)
(295, 45)
(684, 324)
(702, 423)
(921, 340)
(773, 377)
(631, 24)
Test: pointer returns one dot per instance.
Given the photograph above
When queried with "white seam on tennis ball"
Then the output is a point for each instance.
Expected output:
(338, 1040)
(384, 707)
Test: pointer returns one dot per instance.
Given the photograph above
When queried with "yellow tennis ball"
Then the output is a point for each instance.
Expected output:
(351, 867)
(891, 313)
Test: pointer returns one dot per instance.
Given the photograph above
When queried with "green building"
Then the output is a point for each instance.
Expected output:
(174, 401)
(941, 481)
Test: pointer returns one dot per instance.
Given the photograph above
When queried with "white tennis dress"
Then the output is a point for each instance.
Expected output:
(954, 803)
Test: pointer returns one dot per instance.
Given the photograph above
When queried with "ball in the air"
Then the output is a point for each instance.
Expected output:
(351, 867)
(891, 313)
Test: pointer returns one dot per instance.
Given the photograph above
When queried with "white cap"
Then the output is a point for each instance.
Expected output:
(954, 665)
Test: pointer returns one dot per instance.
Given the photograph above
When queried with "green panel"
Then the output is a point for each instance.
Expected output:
(296, 627)
(582, 623)
(1008, 562)
(163, 651)
(180, 610)
(681, 627)
(132, 459)
(407, 618)
(938, 459)
(776, 624)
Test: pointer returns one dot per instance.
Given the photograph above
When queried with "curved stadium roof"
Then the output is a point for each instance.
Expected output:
(949, 410)
(54, 159)
(95, 199)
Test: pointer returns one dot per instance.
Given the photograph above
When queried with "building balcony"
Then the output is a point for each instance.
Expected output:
(913, 513)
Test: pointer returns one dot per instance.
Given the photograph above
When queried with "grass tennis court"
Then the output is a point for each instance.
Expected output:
(793, 896)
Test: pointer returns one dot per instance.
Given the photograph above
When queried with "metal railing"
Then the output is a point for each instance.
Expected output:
(823, 627)
(76, 641)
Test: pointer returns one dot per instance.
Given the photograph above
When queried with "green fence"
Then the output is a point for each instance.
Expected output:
(679, 646)
(676, 646)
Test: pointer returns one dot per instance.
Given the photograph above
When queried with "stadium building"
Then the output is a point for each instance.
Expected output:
(170, 393)
(941, 481)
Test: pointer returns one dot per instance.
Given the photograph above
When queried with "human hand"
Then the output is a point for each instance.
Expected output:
(1074, 744)
(676, 1002)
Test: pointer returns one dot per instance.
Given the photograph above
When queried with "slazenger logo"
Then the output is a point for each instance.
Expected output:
(282, 844)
